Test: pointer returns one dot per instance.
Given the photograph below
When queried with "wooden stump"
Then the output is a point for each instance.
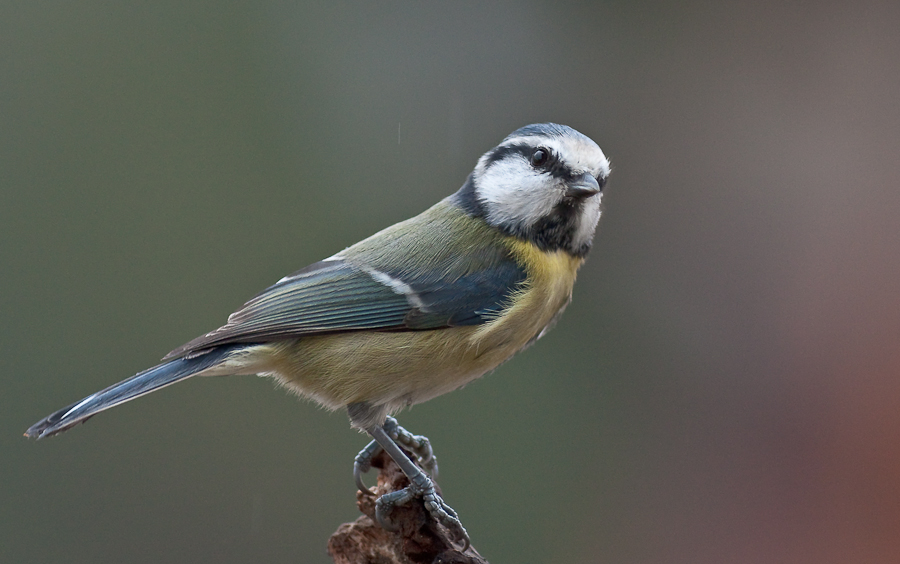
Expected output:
(419, 540)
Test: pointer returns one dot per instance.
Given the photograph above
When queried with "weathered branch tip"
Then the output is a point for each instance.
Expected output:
(418, 540)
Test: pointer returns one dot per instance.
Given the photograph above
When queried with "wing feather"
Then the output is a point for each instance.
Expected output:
(344, 294)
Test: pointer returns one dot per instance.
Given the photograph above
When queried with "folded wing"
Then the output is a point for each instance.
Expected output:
(335, 295)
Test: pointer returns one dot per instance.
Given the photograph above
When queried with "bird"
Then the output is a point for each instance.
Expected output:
(417, 310)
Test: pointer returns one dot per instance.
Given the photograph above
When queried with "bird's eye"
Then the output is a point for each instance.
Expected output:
(540, 157)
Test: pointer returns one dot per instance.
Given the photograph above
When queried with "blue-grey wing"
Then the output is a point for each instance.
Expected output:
(469, 299)
(335, 295)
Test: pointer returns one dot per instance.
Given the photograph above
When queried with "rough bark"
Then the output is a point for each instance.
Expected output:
(419, 540)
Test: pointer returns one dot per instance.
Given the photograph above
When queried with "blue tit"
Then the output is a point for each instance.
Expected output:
(416, 310)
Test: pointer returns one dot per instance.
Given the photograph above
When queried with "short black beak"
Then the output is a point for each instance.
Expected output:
(584, 187)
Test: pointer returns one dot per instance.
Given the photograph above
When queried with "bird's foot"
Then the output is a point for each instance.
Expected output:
(421, 486)
(418, 445)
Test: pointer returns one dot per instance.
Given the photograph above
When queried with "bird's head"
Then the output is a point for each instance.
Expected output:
(543, 183)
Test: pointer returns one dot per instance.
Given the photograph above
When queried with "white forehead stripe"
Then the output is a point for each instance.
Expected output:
(517, 196)
(581, 154)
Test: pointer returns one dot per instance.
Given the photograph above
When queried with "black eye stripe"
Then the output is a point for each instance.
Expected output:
(554, 166)
(504, 151)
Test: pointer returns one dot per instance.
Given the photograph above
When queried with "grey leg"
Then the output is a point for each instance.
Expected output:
(417, 444)
(419, 486)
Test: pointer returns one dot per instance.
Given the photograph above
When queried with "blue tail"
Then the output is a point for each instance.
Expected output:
(136, 386)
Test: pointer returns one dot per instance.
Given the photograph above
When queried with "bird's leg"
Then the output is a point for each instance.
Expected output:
(419, 445)
(419, 486)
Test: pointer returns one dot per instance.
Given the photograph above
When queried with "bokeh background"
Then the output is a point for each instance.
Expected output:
(724, 389)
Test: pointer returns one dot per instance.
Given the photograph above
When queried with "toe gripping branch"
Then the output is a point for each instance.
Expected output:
(418, 445)
(386, 438)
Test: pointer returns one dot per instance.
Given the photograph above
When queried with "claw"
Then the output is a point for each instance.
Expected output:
(385, 504)
(386, 437)
(445, 515)
(435, 505)
(362, 464)
(419, 445)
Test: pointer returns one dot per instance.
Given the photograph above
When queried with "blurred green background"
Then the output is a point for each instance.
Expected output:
(725, 387)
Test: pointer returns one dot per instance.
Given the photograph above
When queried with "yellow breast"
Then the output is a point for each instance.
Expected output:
(547, 289)
(395, 369)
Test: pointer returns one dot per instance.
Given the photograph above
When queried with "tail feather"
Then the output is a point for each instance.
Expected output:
(138, 385)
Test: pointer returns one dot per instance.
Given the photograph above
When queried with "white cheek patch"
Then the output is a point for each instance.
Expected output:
(514, 193)
(517, 196)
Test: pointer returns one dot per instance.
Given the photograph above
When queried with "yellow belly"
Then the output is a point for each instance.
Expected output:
(396, 369)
